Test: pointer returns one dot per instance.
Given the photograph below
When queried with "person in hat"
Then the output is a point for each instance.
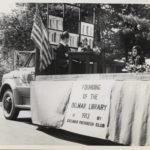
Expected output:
(62, 54)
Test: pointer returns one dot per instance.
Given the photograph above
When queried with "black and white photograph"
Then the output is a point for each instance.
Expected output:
(74, 73)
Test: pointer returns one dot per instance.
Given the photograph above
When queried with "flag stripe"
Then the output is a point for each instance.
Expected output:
(37, 28)
(47, 50)
(43, 63)
(36, 40)
(37, 36)
(45, 56)
(36, 31)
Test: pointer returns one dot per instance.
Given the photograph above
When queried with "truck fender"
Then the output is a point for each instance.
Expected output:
(10, 84)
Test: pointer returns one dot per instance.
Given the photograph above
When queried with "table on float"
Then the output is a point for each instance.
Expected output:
(129, 105)
(85, 57)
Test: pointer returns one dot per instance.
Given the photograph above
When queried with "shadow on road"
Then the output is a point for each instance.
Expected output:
(69, 136)
(25, 120)
(73, 137)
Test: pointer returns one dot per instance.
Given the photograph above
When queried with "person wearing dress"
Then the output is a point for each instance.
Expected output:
(137, 57)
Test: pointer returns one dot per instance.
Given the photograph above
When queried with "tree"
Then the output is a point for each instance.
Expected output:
(114, 24)
(119, 27)
(18, 28)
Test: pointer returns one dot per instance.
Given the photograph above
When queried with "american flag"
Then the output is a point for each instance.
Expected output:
(39, 35)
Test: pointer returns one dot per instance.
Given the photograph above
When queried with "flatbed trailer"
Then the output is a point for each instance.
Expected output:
(118, 111)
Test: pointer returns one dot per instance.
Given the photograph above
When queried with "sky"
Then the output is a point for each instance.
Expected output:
(6, 6)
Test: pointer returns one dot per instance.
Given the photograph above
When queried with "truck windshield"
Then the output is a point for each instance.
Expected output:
(30, 61)
(24, 59)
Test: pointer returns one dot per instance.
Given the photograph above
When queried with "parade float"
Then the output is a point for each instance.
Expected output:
(110, 106)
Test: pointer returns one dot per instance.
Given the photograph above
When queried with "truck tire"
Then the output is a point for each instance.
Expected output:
(8, 105)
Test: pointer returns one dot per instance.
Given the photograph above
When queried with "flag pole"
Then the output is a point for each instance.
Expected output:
(48, 22)
(52, 52)
(37, 52)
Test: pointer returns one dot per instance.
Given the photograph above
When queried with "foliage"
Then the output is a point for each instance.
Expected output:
(118, 25)
(18, 28)
(134, 68)
(115, 25)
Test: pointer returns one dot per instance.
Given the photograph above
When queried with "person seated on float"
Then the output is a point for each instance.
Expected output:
(136, 62)
(62, 54)
(137, 57)
(80, 47)
(97, 50)
(85, 46)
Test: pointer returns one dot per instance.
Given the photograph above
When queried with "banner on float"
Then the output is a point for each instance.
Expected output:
(88, 108)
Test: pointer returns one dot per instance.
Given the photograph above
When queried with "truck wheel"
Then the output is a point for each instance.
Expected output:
(9, 110)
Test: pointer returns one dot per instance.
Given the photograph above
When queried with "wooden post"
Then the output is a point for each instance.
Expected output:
(47, 17)
(93, 15)
(64, 7)
(14, 60)
(36, 6)
(79, 24)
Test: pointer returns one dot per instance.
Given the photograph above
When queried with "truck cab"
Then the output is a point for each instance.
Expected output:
(15, 88)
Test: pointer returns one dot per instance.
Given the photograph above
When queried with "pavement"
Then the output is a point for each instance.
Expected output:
(23, 132)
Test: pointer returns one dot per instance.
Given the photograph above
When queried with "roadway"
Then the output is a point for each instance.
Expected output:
(23, 132)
